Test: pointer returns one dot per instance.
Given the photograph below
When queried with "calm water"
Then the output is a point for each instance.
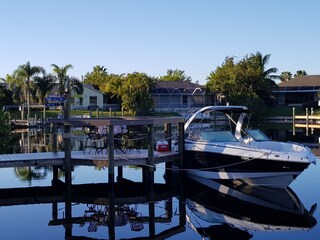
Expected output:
(206, 209)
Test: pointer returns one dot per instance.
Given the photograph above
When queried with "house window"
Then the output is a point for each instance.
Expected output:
(93, 100)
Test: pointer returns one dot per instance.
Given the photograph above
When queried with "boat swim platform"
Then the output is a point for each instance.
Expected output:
(80, 158)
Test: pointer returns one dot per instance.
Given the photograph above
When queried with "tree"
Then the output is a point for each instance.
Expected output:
(5, 139)
(98, 77)
(300, 73)
(243, 80)
(133, 90)
(5, 96)
(16, 85)
(265, 82)
(136, 93)
(113, 86)
(28, 72)
(44, 85)
(175, 75)
(66, 82)
(285, 76)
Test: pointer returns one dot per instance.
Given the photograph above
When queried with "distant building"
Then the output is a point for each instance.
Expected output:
(180, 95)
(90, 97)
(299, 91)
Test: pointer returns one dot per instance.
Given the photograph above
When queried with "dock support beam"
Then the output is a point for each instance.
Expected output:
(111, 154)
(150, 168)
(294, 121)
(181, 143)
(68, 165)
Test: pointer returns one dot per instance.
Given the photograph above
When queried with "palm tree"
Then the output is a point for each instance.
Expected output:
(285, 76)
(261, 62)
(300, 73)
(98, 77)
(266, 76)
(44, 85)
(64, 81)
(28, 72)
(16, 85)
(175, 75)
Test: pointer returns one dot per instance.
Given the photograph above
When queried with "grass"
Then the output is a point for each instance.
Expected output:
(288, 111)
(269, 111)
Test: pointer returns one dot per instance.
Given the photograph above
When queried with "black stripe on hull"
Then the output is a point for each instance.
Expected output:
(228, 163)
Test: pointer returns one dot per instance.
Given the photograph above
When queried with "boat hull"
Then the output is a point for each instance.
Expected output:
(255, 171)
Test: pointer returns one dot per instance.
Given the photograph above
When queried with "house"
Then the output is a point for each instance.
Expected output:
(90, 97)
(180, 95)
(299, 91)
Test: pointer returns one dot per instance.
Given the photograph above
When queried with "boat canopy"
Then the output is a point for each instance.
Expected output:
(223, 109)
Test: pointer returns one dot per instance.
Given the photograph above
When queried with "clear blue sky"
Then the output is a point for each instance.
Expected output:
(152, 36)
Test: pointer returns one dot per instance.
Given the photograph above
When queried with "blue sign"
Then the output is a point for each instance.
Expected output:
(55, 101)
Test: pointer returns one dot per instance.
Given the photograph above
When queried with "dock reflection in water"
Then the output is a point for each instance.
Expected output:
(197, 208)
(239, 210)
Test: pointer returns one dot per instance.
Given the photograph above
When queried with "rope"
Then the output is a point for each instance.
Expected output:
(186, 169)
(131, 139)
(163, 139)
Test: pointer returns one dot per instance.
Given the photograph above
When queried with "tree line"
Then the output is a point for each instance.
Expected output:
(244, 81)
(133, 91)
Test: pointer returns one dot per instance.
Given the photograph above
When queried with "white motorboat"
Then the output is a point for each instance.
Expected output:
(220, 145)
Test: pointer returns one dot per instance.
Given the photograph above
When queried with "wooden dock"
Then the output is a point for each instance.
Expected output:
(109, 155)
(307, 121)
(81, 158)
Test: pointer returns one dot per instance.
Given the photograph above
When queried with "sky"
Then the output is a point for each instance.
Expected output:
(152, 36)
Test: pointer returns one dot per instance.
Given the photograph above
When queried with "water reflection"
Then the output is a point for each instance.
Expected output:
(239, 210)
(39, 139)
(131, 210)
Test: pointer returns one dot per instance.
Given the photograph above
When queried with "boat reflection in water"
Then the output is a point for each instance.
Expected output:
(236, 211)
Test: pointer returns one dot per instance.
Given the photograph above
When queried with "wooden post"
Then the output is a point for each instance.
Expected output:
(151, 148)
(44, 113)
(55, 175)
(168, 134)
(111, 212)
(152, 225)
(312, 121)
(307, 122)
(182, 201)
(168, 165)
(111, 154)
(120, 173)
(293, 121)
(68, 211)
(181, 143)
(67, 141)
(54, 138)
(22, 112)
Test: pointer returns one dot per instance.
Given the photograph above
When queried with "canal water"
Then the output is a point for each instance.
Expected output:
(182, 208)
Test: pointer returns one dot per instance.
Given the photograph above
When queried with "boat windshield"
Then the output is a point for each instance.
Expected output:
(257, 135)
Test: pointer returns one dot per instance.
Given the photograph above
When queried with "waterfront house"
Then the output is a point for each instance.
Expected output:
(299, 91)
(90, 97)
(180, 95)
